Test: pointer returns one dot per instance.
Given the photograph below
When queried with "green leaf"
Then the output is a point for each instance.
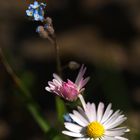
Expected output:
(61, 109)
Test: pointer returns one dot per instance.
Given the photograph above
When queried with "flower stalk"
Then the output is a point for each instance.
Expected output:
(58, 61)
(60, 106)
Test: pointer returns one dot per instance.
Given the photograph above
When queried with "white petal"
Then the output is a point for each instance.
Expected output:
(77, 120)
(120, 128)
(82, 112)
(111, 118)
(82, 139)
(57, 78)
(51, 84)
(82, 101)
(121, 138)
(100, 111)
(107, 113)
(79, 85)
(82, 83)
(72, 134)
(80, 74)
(57, 83)
(76, 113)
(114, 133)
(48, 89)
(52, 90)
(127, 130)
(116, 123)
(73, 127)
(108, 138)
(89, 112)
(93, 112)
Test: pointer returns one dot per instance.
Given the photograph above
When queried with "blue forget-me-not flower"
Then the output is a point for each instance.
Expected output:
(36, 11)
(67, 118)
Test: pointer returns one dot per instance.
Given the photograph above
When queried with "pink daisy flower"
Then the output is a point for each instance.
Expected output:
(68, 90)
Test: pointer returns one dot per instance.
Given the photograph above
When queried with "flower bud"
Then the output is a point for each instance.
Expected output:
(42, 32)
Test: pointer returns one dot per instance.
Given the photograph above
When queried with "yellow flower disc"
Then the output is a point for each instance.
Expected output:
(95, 130)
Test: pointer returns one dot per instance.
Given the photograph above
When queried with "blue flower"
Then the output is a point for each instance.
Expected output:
(67, 118)
(36, 11)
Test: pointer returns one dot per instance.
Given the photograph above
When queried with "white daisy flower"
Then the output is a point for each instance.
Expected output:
(91, 124)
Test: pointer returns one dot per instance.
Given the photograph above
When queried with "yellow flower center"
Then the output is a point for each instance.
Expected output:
(95, 130)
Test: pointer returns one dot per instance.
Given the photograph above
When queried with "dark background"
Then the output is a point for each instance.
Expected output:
(102, 34)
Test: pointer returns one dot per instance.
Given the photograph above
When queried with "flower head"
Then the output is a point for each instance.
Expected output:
(68, 90)
(92, 124)
(36, 11)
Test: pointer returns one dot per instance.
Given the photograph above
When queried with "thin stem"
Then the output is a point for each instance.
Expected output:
(82, 101)
(58, 61)
(32, 106)
(60, 106)
(57, 52)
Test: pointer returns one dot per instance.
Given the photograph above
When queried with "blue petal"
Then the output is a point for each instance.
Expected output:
(29, 12)
(67, 118)
(41, 18)
(36, 17)
(36, 10)
(35, 5)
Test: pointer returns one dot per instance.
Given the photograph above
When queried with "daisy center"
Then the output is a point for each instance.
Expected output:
(95, 130)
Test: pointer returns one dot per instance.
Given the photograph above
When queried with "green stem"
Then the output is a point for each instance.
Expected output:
(32, 106)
